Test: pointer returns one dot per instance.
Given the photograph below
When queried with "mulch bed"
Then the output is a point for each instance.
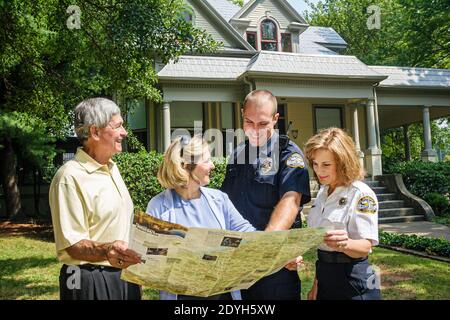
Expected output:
(38, 230)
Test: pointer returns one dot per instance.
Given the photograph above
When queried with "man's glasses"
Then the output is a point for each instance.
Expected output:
(116, 128)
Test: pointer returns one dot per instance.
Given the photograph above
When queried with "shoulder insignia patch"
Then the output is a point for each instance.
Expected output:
(367, 205)
(295, 160)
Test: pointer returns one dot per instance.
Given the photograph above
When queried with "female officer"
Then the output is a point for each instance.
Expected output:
(184, 173)
(348, 208)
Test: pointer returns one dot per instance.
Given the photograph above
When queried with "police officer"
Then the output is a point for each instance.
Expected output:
(267, 181)
(348, 208)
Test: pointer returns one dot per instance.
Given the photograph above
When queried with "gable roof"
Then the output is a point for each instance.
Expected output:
(226, 8)
(219, 19)
(294, 13)
(404, 77)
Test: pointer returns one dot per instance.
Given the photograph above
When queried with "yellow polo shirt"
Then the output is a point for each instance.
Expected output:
(88, 201)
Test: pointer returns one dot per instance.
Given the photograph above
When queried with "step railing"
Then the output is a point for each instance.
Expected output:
(394, 183)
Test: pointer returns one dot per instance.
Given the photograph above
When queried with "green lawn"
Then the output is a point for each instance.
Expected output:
(29, 270)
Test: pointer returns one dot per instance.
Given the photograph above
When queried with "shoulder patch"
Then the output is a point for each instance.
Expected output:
(295, 160)
(366, 204)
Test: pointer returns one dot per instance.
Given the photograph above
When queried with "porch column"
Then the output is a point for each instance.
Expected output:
(428, 154)
(356, 136)
(373, 153)
(406, 141)
(166, 124)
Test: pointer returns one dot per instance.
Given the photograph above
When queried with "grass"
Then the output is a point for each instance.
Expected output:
(29, 270)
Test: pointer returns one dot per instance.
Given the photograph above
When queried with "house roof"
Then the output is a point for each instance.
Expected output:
(213, 68)
(226, 8)
(414, 77)
(204, 68)
(323, 35)
(333, 66)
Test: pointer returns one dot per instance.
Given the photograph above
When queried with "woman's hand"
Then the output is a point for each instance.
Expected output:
(295, 264)
(337, 240)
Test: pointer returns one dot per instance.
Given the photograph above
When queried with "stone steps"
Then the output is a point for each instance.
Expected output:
(396, 212)
(401, 219)
(390, 204)
(391, 208)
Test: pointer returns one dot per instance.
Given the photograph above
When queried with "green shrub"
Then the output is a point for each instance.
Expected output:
(432, 246)
(438, 202)
(139, 171)
(422, 178)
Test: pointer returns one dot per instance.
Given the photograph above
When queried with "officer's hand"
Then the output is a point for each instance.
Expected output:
(119, 256)
(312, 294)
(295, 264)
(336, 239)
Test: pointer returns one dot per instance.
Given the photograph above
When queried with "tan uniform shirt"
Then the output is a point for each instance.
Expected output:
(88, 201)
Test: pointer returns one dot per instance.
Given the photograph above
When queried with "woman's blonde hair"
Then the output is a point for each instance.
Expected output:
(341, 145)
(180, 160)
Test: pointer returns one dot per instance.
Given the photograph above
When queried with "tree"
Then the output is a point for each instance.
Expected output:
(412, 33)
(53, 55)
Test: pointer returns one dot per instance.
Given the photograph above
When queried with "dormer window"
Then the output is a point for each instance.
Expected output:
(269, 35)
(286, 42)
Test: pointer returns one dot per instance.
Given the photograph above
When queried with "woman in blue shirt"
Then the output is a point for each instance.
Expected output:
(184, 172)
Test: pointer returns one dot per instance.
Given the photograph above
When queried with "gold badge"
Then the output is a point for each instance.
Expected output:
(366, 205)
(266, 166)
(295, 161)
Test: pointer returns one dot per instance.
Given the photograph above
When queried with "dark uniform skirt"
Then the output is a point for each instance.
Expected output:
(341, 277)
(93, 282)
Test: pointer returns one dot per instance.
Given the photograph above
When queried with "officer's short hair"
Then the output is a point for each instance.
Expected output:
(180, 160)
(341, 145)
(261, 98)
(93, 111)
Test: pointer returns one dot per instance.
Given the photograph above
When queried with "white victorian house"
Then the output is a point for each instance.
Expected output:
(268, 45)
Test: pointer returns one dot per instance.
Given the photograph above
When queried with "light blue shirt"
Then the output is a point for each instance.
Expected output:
(212, 210)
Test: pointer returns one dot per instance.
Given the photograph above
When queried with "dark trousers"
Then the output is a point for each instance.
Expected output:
(282, 285)
(91, 282)
(353, 280)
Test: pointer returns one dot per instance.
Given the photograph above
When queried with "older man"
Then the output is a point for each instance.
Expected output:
(267, 181)
(92, 209)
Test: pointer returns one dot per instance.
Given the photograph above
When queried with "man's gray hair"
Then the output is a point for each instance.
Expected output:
(93, 111)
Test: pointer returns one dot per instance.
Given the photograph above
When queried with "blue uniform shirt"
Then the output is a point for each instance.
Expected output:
(257, 178)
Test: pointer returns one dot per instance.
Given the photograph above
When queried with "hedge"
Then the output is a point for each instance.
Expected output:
(430, 181)
(139, 171)
(422, 178)
(432, 246)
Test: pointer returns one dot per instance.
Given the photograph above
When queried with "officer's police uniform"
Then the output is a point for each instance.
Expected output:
(255, 181)
(354, 209)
